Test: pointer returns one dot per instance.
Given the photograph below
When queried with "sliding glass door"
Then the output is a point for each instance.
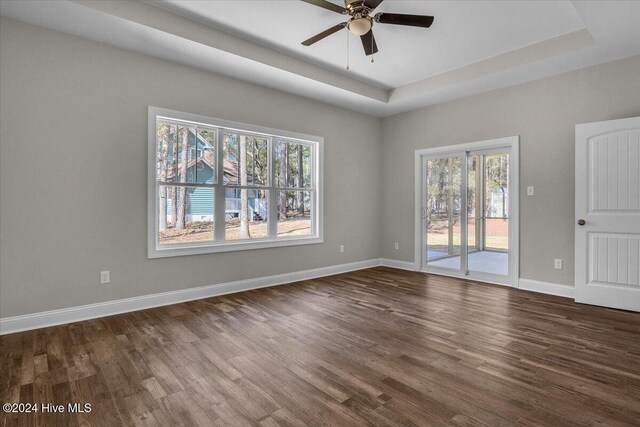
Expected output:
(466, 214)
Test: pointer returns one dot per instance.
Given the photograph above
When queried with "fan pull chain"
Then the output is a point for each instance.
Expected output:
(347, 50)
(372, 52)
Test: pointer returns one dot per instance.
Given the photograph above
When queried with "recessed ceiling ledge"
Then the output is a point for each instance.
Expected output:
(188, 29)
(559, 45)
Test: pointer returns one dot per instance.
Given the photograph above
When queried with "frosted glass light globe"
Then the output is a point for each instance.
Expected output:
(359, 26)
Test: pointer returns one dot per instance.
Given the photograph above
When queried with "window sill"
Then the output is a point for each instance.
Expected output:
(211, 248)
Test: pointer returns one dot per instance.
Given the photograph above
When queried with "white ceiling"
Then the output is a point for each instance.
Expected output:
(472, 47)
(463, 32)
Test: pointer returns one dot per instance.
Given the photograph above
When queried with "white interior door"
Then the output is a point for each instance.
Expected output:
(607, 234)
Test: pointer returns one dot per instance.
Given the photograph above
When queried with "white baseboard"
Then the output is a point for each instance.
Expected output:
(394, 263)
(43, 319)
(557, 289)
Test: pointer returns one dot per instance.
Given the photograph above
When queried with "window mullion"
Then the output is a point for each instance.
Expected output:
(219, 205)
(296, 189)
(246, 187)
(253, 161)
(314, 210)
(273, 194)
(195, 147)
(186, 184)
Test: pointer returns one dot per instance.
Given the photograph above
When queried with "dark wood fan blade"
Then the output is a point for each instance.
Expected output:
(372, 4)
(401, 19)
(324, 34)
(369, 43)
(327, 5)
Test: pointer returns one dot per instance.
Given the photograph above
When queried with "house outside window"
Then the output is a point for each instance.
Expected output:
(217, 186)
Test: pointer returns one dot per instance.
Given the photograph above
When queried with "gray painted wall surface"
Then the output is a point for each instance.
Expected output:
(75, 111)
(544, 113)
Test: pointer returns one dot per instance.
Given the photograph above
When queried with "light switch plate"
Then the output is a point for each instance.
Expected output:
(530, 190)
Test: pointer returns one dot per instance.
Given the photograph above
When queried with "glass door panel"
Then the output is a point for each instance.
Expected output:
(443, 212)
(487, 213)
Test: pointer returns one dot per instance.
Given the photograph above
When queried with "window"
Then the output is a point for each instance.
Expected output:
(219, 186)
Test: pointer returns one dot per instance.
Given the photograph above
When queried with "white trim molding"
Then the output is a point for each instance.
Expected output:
(557, 289)
(43, 319)
(395, 263)
(62, 316)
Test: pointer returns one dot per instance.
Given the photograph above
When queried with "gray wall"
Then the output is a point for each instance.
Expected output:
(544, 113)
(73, 158)
(73, 167)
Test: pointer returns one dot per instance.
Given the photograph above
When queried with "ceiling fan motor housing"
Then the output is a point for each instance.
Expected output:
(353, 3)
(357, 8)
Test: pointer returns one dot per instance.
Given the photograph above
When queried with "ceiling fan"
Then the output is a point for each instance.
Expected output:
(361, 21)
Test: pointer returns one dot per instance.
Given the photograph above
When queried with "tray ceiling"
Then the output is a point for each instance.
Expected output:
(463, 32)
(472, 47)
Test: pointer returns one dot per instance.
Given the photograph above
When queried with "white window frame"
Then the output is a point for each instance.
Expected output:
(155, 250)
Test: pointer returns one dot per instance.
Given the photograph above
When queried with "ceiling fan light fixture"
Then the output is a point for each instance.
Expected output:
(360, 21)
(359, 26)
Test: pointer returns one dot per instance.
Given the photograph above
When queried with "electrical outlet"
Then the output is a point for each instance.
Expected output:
(104, 277)
(341, 248)
(557, 264)
(530, 190)
(396, 246)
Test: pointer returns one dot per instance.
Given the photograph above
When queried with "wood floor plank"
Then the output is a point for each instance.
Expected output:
(380, 347)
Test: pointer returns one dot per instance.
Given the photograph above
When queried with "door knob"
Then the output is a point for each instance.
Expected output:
(581, 222)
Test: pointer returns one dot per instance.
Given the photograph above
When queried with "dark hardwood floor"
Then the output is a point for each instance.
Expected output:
(374, 347)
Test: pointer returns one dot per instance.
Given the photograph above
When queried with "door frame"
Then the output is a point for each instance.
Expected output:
(510, 142)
